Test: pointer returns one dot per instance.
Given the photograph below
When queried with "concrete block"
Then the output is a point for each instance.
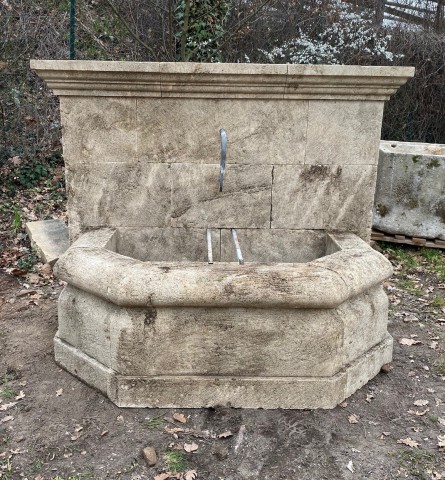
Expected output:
(410, 196)
(49, 238)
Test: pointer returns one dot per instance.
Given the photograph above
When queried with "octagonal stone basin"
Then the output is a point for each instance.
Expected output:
(152, 327)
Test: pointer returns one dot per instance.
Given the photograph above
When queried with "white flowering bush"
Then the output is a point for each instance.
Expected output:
(339, 36)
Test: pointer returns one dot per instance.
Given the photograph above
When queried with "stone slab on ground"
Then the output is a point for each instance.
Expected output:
(410, 197)
(49, 238)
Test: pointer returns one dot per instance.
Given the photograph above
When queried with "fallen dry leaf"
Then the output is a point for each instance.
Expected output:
(408, 341)
(191, 475)
(7, 405)
(353, 418)
(173, 430)
(369, 397)
(8, 418)
(75, 436)
(190, 447)
(59, 392)
(20, 395)
(120, 418)
(441, 421)
(350, 466)
(421, 413)
(441, 441)
(162, 476)
(433, 345)
(409, 442)
(225, 434)
(180, 417)
(421, 403)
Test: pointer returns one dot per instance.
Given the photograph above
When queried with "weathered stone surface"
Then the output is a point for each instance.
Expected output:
(322, 283)
(247, 342)
(220, 80)
(49, 238)
(410, 194)
(85, 324)
(116, 194)
(274, 245)
(246, 392)
(244, 201)
(90, 371)
(174, 330)
(194, 136)
(343, 132)
(103, 130)
(340, 197)
(168, 244)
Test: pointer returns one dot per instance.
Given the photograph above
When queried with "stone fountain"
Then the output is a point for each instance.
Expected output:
(190, 284)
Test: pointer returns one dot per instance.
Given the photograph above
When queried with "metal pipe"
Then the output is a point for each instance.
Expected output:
(239, 255)
(72, 29)
(222, 165)
(209, 247)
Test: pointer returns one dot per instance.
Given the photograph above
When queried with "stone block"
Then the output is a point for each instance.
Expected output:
(323, 197)
(167, 244)
(274, 245)
(343, 132)
(49, 238)
(194, 135)
(244, 201)
(83, 366)
(239, 392)
(410, 194)
(103, 130)
(117, 194)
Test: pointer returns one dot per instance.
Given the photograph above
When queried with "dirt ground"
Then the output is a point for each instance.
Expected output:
(52, 426)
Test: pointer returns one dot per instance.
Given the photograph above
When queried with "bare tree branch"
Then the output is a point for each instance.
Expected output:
(130, 31)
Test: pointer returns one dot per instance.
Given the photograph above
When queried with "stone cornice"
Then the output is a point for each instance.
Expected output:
(222, 80)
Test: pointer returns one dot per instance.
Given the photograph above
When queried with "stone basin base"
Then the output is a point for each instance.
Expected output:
(187, 334)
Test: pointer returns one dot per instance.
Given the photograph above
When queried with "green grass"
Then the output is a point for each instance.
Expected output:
(175, 461)
(405, 256)
(433, 259)
(417, 462)
(440, 368)
(6, 469)
(410, 287)
(7, 393)
(155, 422)
(433, 255)
(438, 301)
(16, 220)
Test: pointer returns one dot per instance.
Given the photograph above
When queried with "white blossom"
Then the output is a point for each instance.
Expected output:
(346, 34)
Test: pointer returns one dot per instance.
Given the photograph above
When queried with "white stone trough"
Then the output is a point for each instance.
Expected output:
(145, 317)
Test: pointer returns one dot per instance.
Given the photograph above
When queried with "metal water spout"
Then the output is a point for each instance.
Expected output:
(222, 163)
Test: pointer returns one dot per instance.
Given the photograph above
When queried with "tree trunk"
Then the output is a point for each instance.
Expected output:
(379, 12)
